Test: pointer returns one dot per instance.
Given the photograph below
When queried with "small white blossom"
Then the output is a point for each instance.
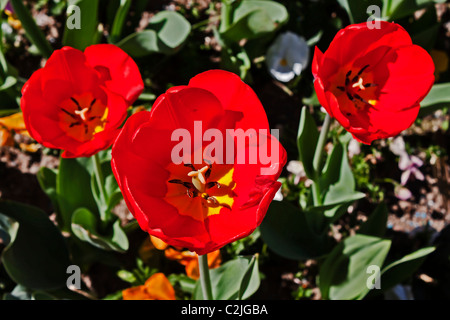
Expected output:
(296, 168)
(287, 56)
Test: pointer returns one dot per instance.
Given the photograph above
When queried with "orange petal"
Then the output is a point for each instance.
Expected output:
(5, 137)
(158, 287)
(158, 243)
(136, 293)
(214, 259)
(192, 270)
(14, 122)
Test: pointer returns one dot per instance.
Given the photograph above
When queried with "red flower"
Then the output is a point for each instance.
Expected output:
(198, 206)
(372, 80)
(78, 100)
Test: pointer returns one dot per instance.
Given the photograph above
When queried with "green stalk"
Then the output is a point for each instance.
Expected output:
(205, 279)
(100, 184)
(226, 15)
(119, 20)
(317, 160)
(34, 34)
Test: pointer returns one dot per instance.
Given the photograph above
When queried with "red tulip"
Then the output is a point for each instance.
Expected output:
(372, 80)
(78, 100)
(201, 203)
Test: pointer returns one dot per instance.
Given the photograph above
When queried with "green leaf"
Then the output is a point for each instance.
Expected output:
(286, 231)
(337, 179)
(250, 282)
(85, 227)
(437, 98)
(232, 278)
(112, 189)
(343, 274)
(357, 9)
(37, 256)
(8, 83)
(307, 137)
(166, 33)
(88, 33)
(402, 269)
(33, 33)
(376, 224)
(73, 189)
(396, 9)
(254, 19)
(119, 20)
(47, 180)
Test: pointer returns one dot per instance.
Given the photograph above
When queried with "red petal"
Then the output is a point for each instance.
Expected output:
(117, 69)
(317, 61)
(234, 95)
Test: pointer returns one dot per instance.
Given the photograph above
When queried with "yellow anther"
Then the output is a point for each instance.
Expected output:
(359, 84)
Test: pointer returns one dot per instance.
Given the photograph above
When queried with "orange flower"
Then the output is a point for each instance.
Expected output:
(157, 287)
(190, 260)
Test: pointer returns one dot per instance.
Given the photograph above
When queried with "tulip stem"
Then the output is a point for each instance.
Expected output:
(100, 184)
(205, 279)
(317, 160)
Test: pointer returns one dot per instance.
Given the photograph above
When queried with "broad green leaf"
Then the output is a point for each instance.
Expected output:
(343, 274)
(85, 226)
(337, 179)
(73, 188)
(166, 33)
(357, 9)
(8, 83)
(254, 19)
(437, 98)
(47, 180)
(88, 33)
(396, 9)
(172, 28)
(307, 137)
(37, 257)
(250, 282)
(33, 32)
(376, 223)
(402, 269)
(286, 231)
(232, 278)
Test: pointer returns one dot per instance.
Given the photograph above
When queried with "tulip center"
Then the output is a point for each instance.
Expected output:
(356, 88)
(82, 116)
(199, 193)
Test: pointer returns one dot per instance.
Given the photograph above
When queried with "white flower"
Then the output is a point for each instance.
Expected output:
(354, 148)
(287, 56)
(397, 146)
(296, 168)
(278, 196)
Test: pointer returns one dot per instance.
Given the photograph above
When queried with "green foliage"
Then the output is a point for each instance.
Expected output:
(36, 255)
(166, 34)
(236, 279)
(88, 32)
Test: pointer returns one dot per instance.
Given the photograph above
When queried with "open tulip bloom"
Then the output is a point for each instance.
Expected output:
(195, 197)
(78, 100)
(372, 80)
